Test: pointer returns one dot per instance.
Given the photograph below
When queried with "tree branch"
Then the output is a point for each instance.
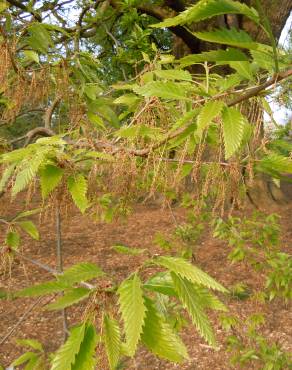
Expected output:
(49, 112)
(33, 133)
(161, 13)
(21, 6)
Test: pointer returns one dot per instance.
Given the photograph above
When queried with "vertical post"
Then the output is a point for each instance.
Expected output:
(59, 266)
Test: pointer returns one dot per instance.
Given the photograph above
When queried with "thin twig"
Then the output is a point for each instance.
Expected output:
(23, 317)
(60, 262)
(50, 269)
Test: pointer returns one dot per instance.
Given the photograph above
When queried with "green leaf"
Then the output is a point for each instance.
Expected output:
(25, 176)
(161, 283)
(275, 165)
(185, 119)
(159, 337)
(3, 6)
(217, 56)
(39, 38)
(233, 130)
(12, 239)
(30, 228)
(207, 299)
(92, 90)
(6, 176)
(31, 55)
(228, 82)
(30, 212)
(209, 111)
(27, 356)
(191, 303)
(66, 354)
(126, 250)
(186, 270)
(133, 310)
(35, 363)
(112, 339)
(86, 359)
(130, 100)
(77, 186)
(95, 119)
(102, 107)
(140, 130)
(69, 298)
(50, 178)
(42, 289)
(263, 60)
(35, 344)
(164, 90)
(243, 69)
(232, 37)
(80, 272)
(205, 9)
(174, 74)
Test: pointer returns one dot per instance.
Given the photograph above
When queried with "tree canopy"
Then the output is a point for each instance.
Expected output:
(104, 103)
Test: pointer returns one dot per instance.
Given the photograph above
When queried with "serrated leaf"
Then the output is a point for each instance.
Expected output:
(186, 270)
(35, 344)
(191, 303)
(66, 354)
(174, 74)
(69, 298)
(233, 130)
(6, 176)
(164, 90)
(39, 38)
(35, 363)
(91, 91)
(140, 130)
(30, 228)
(112, 340)
(77, 186)
(228, 82)
(27, 213)
(86, 358)
(217, 56)
(133, 311)
(243, 69)
(80, 272)
(42, 289)
(126, 250)
(160, 338)
(232, 37)
(128, 99)
(161, 283)
(95, 119)
(205, 9)
(31, 55)
(185, 119)
(50, 178)
(275, 165)
(209, 111)
(25, 176)
(208, 300)
(55, 141)
(12, 239)
(27, 356)
(263, 60)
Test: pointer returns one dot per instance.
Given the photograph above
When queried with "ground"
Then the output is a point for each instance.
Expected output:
(85, 240)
